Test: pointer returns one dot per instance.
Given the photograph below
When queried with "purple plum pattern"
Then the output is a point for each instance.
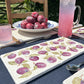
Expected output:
(78, 79)
(66, 54)
(62, 47)
(34, 58)
(22, 70)
(79, 32)
(35, 47)
(51, 59)
(25, 52)
(73, 50)
(42, 55)
(79, 46)
(19, 60)
(42, 52)
(43, 44)
(53, 48)
(11, 56)
(40, 65)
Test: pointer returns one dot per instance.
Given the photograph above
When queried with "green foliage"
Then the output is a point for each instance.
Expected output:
(53, 9)
(29, 6)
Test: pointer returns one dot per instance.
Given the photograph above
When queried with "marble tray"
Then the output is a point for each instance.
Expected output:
(77, 78)
(31, 62)
(79, 32)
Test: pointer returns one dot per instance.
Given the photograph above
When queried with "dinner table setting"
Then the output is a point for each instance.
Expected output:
(41, 51)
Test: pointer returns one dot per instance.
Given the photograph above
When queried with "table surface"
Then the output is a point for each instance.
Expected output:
(55, 76)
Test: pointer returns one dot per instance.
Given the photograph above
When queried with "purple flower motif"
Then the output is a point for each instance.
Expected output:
(62, 47)
(79, 46)
(51, 59)
(22, 70)
(66, 54)
(34, 58)
(19, 60)
(55, 42)
(25, 52)
(43, 44)
(11, 56)
(53, 48)
(74, 49)
(40, 65)
(42, 52)
(35, 47)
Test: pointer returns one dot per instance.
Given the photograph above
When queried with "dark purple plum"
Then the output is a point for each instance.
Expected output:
(22, 70)
(51, 59)
(40, 65)
(53, 48)
(60, 40)
(79, 46)
(19, 60)
(73, 49)
(42, 52)
(43, 44)
(71, 42)
(11, 56)
(62, 47)
(34, 58)
(35, 47)
(25, 52)
(55, 42)
(66, 54)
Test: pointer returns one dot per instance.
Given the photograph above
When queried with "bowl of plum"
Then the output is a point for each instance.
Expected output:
(35, 23)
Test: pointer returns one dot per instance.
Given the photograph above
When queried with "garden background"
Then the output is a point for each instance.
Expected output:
(53, 9)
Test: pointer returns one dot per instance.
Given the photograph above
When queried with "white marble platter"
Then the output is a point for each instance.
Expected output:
(31, 62)
(77, 78)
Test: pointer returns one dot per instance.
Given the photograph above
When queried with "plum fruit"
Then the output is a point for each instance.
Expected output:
(41, 18)
(37, 25)
(44, 25)
(29, 26)
(35, 14)
(30, 19)
(23, 24)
